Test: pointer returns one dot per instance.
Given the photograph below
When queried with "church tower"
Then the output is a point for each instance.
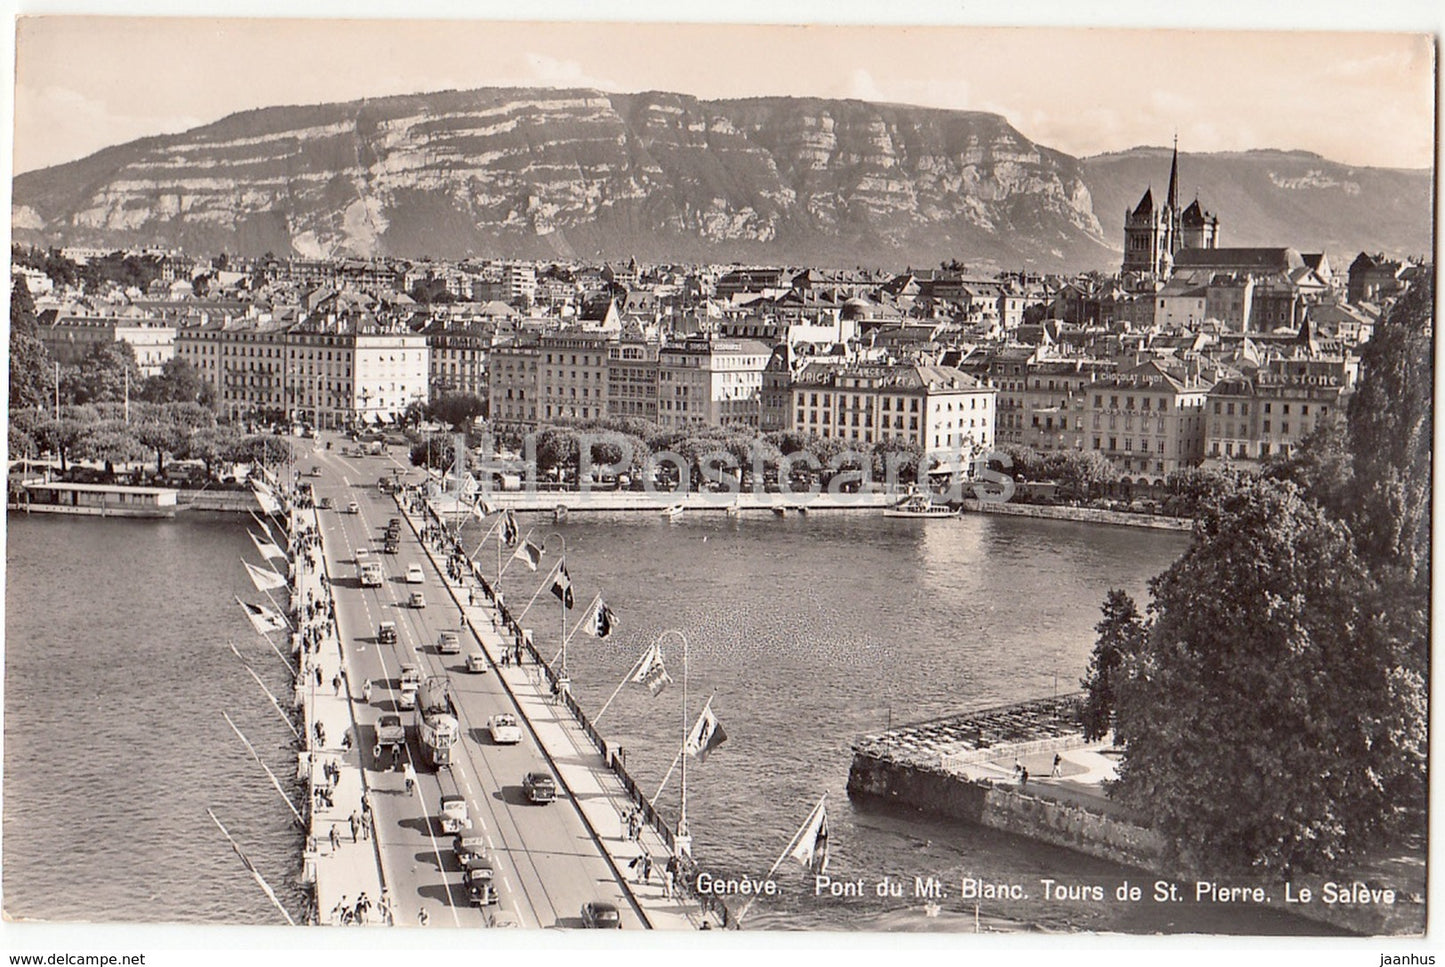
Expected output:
(1153, 235)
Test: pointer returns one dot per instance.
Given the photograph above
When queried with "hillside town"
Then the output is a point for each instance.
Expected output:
(1194, 355)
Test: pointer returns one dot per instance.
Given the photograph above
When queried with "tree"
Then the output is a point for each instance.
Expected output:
(1080, 473)
(102, 375)
(266, 449)
(111, 442)
(1121, 632)
(211, 446)
(456, 410)
(177, 382)
(433, 452)
(29, 362)
(161, 436)
(1391, 426)
(1274, 719)
(61, 436)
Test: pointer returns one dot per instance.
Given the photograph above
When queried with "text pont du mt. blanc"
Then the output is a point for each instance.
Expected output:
(1160, 891)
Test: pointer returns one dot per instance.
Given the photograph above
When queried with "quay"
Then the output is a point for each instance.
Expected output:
(966, 767)
(549, 501)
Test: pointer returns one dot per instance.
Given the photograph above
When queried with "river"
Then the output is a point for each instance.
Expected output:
(805, 632)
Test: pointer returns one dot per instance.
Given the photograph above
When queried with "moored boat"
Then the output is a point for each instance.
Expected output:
(673, 512)
(919, 505)
(92, 500)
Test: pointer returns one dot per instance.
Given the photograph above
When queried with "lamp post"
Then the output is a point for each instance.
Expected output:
(683, 842)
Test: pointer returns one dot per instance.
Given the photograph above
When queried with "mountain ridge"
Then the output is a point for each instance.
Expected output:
(580, 172)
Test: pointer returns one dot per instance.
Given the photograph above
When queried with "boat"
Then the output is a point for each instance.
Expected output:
(919, 505)
(559, 513)
(674, 512)
(93, 500)
(734, 509)
(780, 510)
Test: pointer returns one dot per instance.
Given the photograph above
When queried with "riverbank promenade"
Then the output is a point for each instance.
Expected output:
(580, 768)
(340, 856)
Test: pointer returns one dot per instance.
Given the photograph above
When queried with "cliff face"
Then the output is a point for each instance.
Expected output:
(665, 177)
(550, 173)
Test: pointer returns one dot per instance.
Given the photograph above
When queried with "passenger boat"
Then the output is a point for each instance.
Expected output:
(919, 505)
(674, 512)
(93, 500)
(559, 513)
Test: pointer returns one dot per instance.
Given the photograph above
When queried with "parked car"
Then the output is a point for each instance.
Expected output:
(539, 787)
(504, 730)
(414, 575)
(601, 915)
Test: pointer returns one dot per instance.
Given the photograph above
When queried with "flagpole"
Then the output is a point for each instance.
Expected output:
(495, 524)
(578, 626)
(269, 774)
(625, 679)
(502, 568)
(535, 596)
(250, 867)
(562, 599)
(784, 855)
(275, 704)
(670, 769)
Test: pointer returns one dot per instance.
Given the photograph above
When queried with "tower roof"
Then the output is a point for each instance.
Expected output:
(1173, 199)
(1146, 204)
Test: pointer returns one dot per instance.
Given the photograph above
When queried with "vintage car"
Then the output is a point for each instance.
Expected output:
(454, 816)
(353, 508)
(414, 575)
(417, 600)
(449, 642)
(410, 682)
(539, 787)
(478, 881)
(469, 845)
(601, 915)
(504, 729)
(476, 663)
(327, 503)
(386, 633)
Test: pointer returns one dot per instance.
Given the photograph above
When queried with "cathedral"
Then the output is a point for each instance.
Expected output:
(1154, 234)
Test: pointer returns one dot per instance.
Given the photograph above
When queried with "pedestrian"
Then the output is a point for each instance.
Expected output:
(421, 917)
(336, 912)
(646, 869)
(636, 867)
(346, 741)
(363, 908)
(1018, 767)
(320, 734)
(336, 683)
(1024, 778)
(335, 838)
(1058, 761)
(410, 775)
(355, 822)
(366, 690)
(366, 825)
(318, 676)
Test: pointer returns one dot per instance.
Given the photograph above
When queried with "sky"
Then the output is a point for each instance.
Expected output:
(86, 82)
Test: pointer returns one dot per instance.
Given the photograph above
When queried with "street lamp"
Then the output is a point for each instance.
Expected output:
(683, 842)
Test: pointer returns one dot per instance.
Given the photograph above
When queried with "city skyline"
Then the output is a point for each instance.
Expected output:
(85, 83)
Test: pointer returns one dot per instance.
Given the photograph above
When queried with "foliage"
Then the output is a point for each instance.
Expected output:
(1274, 718)
(177, 382)
(102, 375)
(110, 442)
(434, 451)
(1189, 490)
(30, 379)
(1391, 426)
(1122, 632)
(62, 435)
(456, 410)
(257, 448)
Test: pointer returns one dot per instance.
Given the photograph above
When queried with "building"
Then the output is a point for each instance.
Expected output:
(1053, 401)
(938, 409)
(1291, 396)
(459, 353)
(1154, 233)
(1148, 421)
(1374, 278)
(632, 378)
(572, 375)
(717, 382)
(512, 384)
(72, 337)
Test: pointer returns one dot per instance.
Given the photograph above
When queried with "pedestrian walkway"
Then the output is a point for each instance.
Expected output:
(341, 853)
(596, 789)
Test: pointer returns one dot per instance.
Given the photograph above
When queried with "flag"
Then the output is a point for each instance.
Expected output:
(651, 673)
(264, 578)
(480, 507)
(706, 735)
(268, 503)
(811, 847)
(602, 621)
(262, 618)
(562, 586)
(529, 554)
(509, 530)
(269, 475)
(265, 528)
(266, 548)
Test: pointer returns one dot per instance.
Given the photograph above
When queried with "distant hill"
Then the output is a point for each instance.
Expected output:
(1292, 198)
(666, 177)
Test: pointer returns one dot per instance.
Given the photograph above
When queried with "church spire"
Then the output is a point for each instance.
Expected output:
(1173, 200)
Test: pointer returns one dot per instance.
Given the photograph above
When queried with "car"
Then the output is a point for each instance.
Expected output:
(372, 576)
(327, 503)
(478, 881)
(449, 642)
(363, 554)
(390, 730)
(601, 915)
(454, 816)
(386, 633)
(353, 508)
(414, 575)
(315, 471)
(477, 663)
(539, 787)
(410, 681)
(391, 546)
(417, 600)
(394, 524)
(470, 845)
(504, 730)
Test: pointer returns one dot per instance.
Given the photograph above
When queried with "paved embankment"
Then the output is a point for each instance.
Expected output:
(549, 501)
(1083, 515)
(583, 769)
